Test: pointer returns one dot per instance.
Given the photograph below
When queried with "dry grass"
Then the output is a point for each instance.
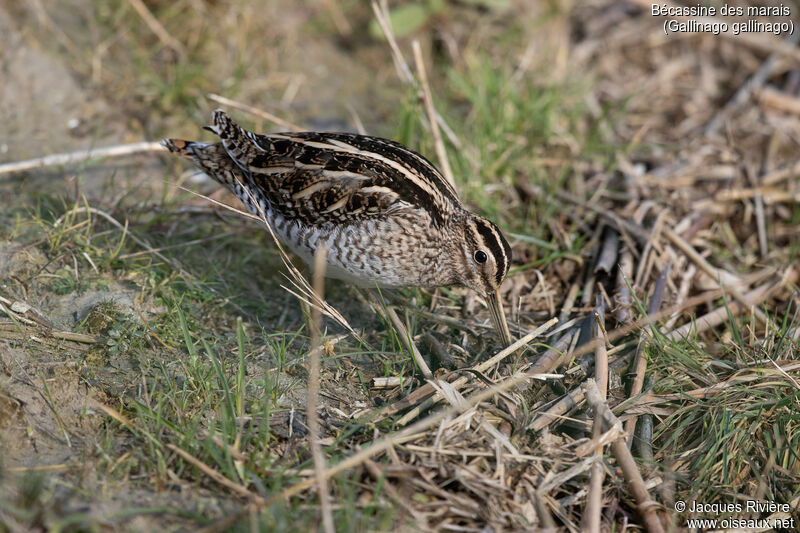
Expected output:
(654, 212)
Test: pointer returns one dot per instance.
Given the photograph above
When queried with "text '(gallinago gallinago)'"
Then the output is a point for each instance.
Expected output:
(386, 214)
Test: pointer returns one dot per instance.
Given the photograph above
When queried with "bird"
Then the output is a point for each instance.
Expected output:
(386, 215)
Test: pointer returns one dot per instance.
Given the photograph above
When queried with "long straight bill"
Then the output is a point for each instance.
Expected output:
(498, 316)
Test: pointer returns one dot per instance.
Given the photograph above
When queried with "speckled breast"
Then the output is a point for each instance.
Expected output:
(385, 251)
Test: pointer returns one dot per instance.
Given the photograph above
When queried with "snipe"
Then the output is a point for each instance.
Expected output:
(386, 214)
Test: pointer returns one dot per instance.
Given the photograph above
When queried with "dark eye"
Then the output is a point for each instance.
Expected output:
(480, 256)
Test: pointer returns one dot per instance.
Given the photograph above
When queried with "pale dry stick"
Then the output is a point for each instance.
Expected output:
(38, 468)
(255, 111)
(646, 505)
(75, 337)
(441, 152)
(569, 301)
(320, 258)
(382, 16)
(10, 331)
(771, 195)
(216, 476)
(110, 411)
(81, 156)
(777, 176)
(594, 504)
(481, 368)
(388, 382)
(687, 177)
(779, 101)
(720, 276)
(290, 92)
(156, 27)
(758, 201)
(389, 441)
(438, 449)
(639, 360)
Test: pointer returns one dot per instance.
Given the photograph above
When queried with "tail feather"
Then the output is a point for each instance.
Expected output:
(227, 161)
(211, 158)
(238, 142)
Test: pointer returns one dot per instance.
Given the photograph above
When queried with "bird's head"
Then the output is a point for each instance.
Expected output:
(485, 259)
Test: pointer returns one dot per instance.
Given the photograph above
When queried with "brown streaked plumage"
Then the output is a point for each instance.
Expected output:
(387, 215)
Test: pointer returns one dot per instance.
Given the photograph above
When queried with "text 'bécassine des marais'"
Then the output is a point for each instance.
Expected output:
(710, 19)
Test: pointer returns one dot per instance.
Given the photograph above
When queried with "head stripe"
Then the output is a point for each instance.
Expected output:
(498, 246)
